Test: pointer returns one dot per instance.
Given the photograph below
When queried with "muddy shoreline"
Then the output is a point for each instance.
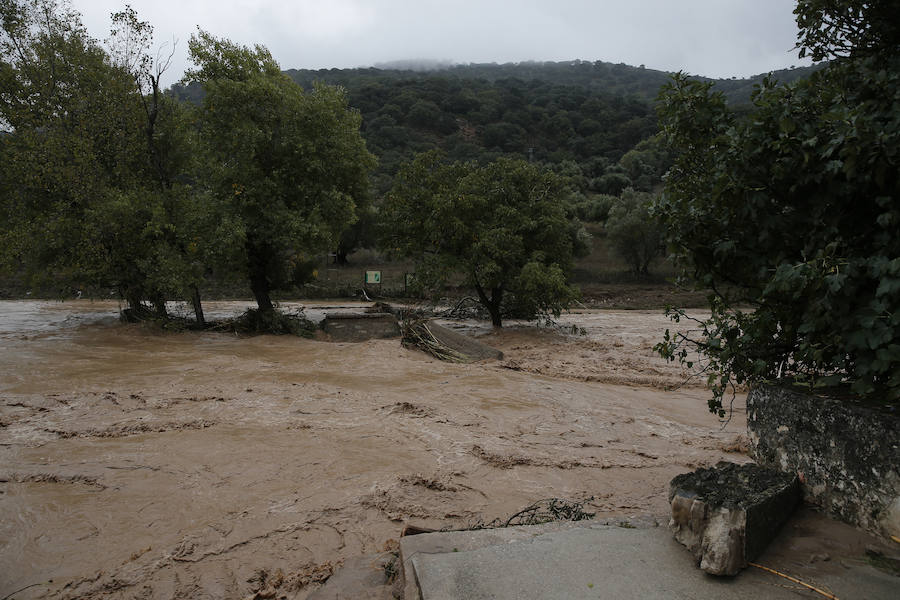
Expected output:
(137, 463)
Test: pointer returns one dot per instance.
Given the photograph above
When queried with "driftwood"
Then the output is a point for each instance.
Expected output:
(415, 333)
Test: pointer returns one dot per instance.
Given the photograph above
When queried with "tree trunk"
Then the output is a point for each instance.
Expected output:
(260, 287)
(198, 307)
(159, 306)
(133, 301)
(259, 281)
(494, 308)
(492, 304)
(495, 316)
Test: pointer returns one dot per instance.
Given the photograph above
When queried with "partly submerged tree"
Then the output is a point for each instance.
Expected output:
(286, 166)
(90, 200)
(794, 210)
(176, 228)
(503, 227)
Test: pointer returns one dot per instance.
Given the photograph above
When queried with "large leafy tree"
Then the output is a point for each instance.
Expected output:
(503, 227)
(794, 210)
(55, 81)
(90, 156)
(286, 166)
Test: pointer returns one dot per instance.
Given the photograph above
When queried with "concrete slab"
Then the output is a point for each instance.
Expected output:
(359, 327)
(589, 560)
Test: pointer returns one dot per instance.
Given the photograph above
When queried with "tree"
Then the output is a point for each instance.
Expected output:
(632, 232)
(646, 163)
(503, 227)
(847, 28)
(793, 210)
(362, 234)
(92, 202)
(175, 266)
(286, 165)
(54, 79)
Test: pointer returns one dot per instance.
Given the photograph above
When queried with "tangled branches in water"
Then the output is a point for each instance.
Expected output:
(542, 511)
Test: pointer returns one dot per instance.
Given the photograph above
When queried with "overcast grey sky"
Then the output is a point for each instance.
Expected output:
(716, 38)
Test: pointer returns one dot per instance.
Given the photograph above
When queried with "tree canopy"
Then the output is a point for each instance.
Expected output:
(793, 210)
(285, 166)
(91, 156)
(504, 228)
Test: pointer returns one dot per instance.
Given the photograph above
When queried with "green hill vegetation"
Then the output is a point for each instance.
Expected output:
(579, 117)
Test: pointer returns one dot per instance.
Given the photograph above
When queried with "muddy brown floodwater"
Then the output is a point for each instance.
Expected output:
(141, 464)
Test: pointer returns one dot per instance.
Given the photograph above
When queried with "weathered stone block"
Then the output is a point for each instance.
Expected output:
(847, 453)
(727, 515)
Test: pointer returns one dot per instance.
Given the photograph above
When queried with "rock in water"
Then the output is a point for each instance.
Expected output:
(727, 515)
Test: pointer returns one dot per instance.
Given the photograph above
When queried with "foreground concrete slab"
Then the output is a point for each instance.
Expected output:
(589, 560)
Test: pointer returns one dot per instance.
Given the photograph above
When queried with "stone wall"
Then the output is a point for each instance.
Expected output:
(359, 327)
(847, 455)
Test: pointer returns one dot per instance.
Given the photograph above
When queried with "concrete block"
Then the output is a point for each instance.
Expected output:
(847, 451)
(359, 327)
(727, 515)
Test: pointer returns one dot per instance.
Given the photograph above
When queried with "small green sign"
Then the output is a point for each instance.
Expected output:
(373, 277)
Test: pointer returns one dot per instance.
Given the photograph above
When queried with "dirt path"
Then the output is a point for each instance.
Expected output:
(140, 464)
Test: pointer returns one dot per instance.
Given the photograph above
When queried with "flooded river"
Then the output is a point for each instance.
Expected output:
(138, 463)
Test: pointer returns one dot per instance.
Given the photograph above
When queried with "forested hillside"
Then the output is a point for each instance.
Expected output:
(601, 76)
(579, 117)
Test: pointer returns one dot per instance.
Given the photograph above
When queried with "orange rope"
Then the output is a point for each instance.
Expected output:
(789, 578)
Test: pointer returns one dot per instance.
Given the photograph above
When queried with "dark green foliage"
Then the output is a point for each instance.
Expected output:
(593, 77)
(361, 234)
(91, 159)
(548, 118)
(595, 116)
(646, 163)
(503, 227)
(285, 166)
(842, 28)
(592, 208)
(793, 210)
(633, 233)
